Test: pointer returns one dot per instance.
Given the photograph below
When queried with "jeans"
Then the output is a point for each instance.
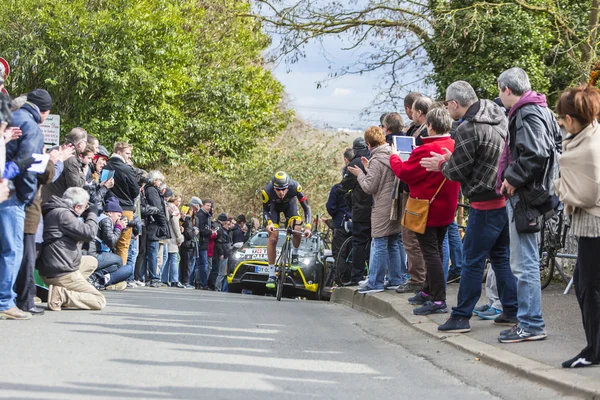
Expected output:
(446, 256)
(170, 273)
(431, 242)
(487, 234)
(403, 266)
(12, 227)
(108, 263)
(525, 264)
(165, 257)
(151, 261)
(132, 256)
(385, 255)
(221, 275)
(192, 276)
(202, 268)
(456, 248)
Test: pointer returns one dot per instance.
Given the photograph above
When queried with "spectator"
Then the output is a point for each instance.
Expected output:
(203, 223)
(527, 170)
(4, 191)
(578, 187)
(339, 211)
(238, 232)
(419, 112)
(170, 274)
(12, 211)
(379, 182)
(479, 142)
(146, 212)
(61, 264)
(360, 204)
(110, 273)
(223, 249)
(99, 163)
(126, 189)
(409, 101)
(157, 228)
(73, 175)
(443, 200)
(189, 247)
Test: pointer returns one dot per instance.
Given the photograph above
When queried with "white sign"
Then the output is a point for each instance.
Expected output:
(51, 130)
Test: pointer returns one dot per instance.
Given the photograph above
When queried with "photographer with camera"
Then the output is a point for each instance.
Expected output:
(110, 273)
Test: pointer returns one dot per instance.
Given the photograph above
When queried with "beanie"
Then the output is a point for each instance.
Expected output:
(359, 143)
(112, 205)
(222, 217)
(40, 98)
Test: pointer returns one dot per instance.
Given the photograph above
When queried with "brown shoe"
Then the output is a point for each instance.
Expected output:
(117, 286)
(14, 313)
(55, 299)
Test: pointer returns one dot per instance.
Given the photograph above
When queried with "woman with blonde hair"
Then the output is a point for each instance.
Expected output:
(579, 189)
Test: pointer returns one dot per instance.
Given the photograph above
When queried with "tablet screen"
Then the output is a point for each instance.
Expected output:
(404, 144)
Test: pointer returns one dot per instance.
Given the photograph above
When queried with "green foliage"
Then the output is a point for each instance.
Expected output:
(476, 41)
(183, 81)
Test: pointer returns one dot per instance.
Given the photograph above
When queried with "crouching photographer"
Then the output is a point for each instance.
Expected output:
(110, 273)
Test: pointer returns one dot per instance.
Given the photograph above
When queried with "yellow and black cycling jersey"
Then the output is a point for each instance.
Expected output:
(273, 206)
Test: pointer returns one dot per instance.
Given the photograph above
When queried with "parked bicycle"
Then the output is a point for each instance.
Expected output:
(556, 243)
(343, 262)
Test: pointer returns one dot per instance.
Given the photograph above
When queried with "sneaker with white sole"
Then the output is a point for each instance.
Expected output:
(490, 314)
(518, 334)
(139, 283)
(368, 289)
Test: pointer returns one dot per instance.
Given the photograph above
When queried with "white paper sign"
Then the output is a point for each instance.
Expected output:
(40, 167)
(51, 130)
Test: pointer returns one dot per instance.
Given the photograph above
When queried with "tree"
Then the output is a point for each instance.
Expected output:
(555, 40)
(181, 80)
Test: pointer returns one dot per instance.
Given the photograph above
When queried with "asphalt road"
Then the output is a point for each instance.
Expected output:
(172, 343)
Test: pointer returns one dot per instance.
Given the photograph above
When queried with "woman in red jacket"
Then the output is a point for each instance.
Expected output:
(423, 185)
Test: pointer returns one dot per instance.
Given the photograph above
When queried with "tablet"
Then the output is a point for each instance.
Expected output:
(404, 144)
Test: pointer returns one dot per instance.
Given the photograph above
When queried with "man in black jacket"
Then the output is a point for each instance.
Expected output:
(527, 169)
(360, 206)
(126, 189)
(203, 223)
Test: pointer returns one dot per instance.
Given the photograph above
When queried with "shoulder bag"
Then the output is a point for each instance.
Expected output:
(417, 211)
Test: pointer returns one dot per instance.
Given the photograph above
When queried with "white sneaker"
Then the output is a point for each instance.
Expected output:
(139, 283)
(363, 282)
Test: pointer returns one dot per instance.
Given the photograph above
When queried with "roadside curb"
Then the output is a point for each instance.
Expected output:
(385, 305)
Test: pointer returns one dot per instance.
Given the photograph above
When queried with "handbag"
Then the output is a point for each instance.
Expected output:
(527, 219)
(416, 212)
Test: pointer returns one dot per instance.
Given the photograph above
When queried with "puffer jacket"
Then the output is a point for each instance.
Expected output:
(157, 227)
(379, 182)
(64, 234)
(107, 238)
(176, 236)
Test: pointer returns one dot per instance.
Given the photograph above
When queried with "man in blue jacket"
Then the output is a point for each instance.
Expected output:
(12, 211)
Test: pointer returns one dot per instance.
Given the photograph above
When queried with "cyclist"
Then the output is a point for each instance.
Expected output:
(280, 196)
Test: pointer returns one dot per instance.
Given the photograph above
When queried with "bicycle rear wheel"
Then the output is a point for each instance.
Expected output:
(343, 263)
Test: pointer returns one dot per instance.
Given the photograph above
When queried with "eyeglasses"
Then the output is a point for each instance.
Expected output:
(280, 189)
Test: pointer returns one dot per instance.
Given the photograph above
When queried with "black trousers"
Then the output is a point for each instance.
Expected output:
(214, 272)
(184, 266)
(141, 255)
(361, 233)
(431, 243)
(587, 289)
(25, 283)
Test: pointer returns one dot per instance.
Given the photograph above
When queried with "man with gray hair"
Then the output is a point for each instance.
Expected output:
(61, 265)
(474, 163)
(525, 174)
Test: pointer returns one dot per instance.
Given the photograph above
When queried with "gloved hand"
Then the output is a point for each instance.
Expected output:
(25, 163)
(93, 209)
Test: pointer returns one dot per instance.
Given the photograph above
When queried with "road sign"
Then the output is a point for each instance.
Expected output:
(51, 130)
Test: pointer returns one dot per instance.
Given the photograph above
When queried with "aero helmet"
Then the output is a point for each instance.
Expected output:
(280, 180)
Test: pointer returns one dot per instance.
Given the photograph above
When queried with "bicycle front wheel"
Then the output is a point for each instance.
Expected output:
(283, 261)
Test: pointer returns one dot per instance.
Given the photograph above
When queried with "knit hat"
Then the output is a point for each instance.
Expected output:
(195, 201)
(222, 217)
(40, 98)
(112, 205)
(359, 143)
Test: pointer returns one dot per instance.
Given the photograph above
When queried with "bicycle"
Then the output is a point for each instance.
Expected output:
(283, 262)
(343, 262)
(555, 237)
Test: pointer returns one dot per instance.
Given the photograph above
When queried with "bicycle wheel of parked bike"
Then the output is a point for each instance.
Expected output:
(343, 263)
(548, 237)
